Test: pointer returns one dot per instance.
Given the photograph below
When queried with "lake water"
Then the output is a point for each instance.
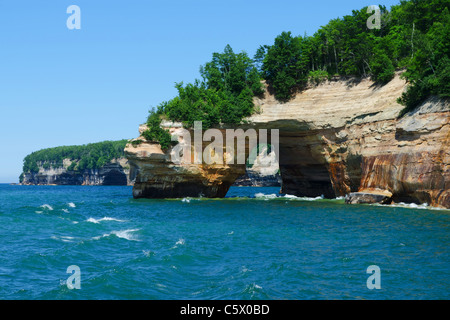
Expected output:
(254, 244)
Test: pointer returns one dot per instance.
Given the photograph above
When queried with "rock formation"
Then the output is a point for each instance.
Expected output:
(115, 173)
(340, 137)
(158, 177)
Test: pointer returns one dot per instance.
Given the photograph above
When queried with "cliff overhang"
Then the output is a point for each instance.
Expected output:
(335, 139)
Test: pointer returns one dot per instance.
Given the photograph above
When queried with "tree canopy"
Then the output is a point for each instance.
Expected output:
(90, 156)
(414, 37)
(224, 95)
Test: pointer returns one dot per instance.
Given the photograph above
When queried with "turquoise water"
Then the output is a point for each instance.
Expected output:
(255, 244)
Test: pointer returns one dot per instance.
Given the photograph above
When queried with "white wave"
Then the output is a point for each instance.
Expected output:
(423, 206)
(123, 234)
(406, 205)
(97, 221)
(71, 204)
(47, 206)
(286, 196)
(230, 233)
(265, 196)
(180, 242)
(186, 200)
(39, 212)
(292, 197)
(63, 238)
(65, 210)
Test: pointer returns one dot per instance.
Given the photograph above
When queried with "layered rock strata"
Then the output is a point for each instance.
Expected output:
(341, 137)
(115, 173)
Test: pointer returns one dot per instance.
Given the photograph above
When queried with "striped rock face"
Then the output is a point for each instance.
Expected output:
(341, 137)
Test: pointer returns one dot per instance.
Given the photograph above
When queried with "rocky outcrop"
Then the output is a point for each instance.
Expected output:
(338, 138)
(115, 173)
(381, 197)
(158, 177)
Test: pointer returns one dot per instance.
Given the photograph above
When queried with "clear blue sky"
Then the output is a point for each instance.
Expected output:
(70, 87)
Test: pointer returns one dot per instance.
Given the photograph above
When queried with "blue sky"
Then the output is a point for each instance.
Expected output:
(70, 87)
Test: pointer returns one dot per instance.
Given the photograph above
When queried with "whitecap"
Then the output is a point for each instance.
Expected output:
(126, 234)
(63, 238)
(65, 210)
(123, 234)
(230, 233)
(71, 204)
(47, 206)
(97, 221)
(180, 242)
(265, 196)
(186, 200)
(422, 206)
(292, 197)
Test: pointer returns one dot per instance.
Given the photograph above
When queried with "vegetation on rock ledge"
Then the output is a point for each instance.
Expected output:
(414, 37)
(90, 156)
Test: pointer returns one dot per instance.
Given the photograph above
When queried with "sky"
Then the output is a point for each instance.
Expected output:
(71, 87)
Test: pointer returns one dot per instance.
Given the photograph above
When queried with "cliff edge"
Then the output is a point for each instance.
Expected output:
(338, 138)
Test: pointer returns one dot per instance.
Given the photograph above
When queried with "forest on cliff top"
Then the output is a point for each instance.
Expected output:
(89, 156)
(413, 36)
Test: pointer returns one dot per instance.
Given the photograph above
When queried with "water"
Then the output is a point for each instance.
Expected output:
(255, 244)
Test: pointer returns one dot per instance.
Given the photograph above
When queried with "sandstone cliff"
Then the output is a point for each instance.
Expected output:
(341, 137)
(115, 173)
(158, 177)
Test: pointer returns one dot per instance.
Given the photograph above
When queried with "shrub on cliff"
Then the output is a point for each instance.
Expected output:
(225, 95)
(414, 35)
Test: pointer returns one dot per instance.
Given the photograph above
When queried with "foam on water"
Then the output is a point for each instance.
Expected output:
(47, 206)
(407, 206)
(265, 196)
(71, 204)
(97, 221)
(63, 238)
(180, 242)
(286, 196)
(123, 234)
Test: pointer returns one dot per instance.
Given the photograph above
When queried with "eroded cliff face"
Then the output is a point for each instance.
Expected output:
(157, 176)
(116, 173)
(341, 137)
(344, 136)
